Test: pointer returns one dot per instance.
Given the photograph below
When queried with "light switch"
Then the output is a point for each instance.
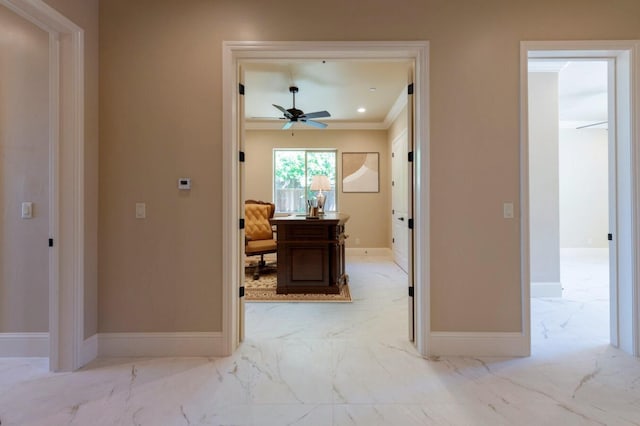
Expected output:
(27, 210)
(141, 210)
(507, 210)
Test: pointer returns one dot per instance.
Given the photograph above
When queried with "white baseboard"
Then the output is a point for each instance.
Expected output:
(89, 350)
(376, 251)
(161, 344)
(24, 344)
(546, 289)
(507, 344)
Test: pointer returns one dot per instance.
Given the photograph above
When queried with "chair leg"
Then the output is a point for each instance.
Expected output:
(261, 264)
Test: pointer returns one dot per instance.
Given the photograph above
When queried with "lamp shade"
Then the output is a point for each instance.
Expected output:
(320, 183)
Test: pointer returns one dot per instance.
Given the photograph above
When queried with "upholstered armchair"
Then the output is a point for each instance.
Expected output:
(259, 238)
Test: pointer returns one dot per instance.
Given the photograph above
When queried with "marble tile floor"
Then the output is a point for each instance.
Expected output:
(350, 364)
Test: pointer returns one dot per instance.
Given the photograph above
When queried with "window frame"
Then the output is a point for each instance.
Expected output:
(307, 178)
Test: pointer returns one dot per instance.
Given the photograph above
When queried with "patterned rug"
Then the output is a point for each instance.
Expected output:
(264, 290)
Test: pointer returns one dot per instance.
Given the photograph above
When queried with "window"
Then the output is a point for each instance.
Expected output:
(293, 170)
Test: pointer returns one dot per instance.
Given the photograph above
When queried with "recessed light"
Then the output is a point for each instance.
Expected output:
(362, 109)
(372, 89)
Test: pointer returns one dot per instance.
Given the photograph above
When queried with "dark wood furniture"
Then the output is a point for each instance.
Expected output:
(311, 254)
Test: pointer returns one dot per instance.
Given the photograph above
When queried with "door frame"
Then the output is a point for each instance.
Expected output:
(66, 184)
(233, 54)
(627, 99)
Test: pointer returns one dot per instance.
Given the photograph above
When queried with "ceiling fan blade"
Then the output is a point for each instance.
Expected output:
(317, 114)
(287, 125)
(284, 111)
(317, 124)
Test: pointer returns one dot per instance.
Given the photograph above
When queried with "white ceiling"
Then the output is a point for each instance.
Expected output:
(339, 87)
(343, 86)
(582, 90)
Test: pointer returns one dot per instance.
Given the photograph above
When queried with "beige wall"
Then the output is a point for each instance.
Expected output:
(161, 118)
(24, 175)
(370, 217)
(584, 192)
(544, 198)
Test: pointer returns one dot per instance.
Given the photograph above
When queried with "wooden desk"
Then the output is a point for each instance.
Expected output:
(311, 254)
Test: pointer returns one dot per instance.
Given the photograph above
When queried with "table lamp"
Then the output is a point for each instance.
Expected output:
(320, 183)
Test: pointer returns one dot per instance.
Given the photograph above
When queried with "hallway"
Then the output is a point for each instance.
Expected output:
(338, 364)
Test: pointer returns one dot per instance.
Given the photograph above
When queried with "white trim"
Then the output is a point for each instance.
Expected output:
(396, 108)
(24, 344)
(89, 350)
(233, 53)
(54, 195)
(66, 279)
(635, 129)
(478, 344)
(548, 289)
(626, 52)
(374, 251)
(342, 125)
(161, 344)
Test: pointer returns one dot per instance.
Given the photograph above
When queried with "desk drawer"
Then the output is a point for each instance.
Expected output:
(307, 233)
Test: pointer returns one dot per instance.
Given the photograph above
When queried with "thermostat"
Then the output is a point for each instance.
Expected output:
(184, 183)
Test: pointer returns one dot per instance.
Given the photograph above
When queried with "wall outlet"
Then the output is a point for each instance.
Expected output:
(357, 241)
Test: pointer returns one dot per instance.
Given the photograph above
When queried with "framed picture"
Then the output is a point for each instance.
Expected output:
(360, 172)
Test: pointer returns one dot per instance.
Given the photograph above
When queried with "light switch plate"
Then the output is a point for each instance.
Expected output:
(141, 210)
(27, 210)
(507, 210)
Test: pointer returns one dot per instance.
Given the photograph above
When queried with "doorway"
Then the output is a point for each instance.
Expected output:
(571, 211)
(620, 182)
(24, 186)
(67, 348)
(234, 54)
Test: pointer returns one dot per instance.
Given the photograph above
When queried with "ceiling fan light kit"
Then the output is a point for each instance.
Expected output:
(295, 115)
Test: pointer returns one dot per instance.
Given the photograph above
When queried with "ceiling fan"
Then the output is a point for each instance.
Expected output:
(296, 115)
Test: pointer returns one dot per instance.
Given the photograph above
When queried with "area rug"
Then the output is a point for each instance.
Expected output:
(264, 290)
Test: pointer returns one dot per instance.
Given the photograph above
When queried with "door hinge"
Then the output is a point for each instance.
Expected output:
(50, 242)
(410, 157)
(241, 292)
(610, 237)
(241, 89)
(393, 241)
(241, 156)
(411, 291)
(410, 89)
(241, 223)
(410, 223)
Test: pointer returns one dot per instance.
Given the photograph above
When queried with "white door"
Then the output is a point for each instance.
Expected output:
(399, 202)
(613, 196)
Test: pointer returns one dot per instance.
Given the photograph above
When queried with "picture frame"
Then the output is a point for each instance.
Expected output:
(360, 172)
